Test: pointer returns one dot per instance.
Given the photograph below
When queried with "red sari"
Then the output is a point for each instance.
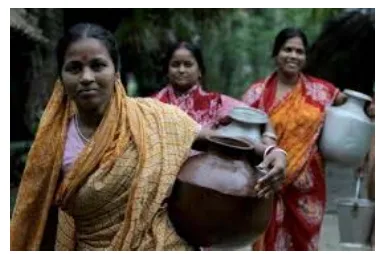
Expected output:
(297, 119)
(206, 108)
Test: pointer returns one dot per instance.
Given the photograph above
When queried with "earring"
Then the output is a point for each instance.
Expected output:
(118, 81)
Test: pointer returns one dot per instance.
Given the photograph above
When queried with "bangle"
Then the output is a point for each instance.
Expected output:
(268, 150)
(269, 134)
(280, 150)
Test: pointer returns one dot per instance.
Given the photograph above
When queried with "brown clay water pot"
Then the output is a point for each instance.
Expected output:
(213, 201)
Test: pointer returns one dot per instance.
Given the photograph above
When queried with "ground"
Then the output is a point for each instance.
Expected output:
(329, 240)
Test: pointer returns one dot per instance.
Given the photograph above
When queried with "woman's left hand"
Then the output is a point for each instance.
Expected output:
(371, 109)
(274, 164)
(340, 99)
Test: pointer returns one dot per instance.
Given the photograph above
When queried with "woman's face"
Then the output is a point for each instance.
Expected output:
(183, 69)
(88, 74)
(291, 57)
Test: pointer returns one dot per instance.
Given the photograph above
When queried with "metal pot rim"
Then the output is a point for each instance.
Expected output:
(357, 94)
(249, 115)
(361, 202)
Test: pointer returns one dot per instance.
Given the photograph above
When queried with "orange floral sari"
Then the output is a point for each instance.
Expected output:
(297, 119)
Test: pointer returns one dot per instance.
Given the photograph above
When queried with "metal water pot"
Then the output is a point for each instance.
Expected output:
(355, 220)
(246, 122)
(347, 130)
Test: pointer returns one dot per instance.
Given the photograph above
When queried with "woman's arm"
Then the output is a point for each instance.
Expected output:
(268, 136)
(340, 99)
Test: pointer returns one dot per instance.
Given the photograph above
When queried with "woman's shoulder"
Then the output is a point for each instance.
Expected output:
(156, 108)
(160, 94)
(228, 100)
(257, 83)
(208, 94)
(318, 81)
(256, 87)
(152, 104)
(254, 91)
(173, 118)
(320, 90)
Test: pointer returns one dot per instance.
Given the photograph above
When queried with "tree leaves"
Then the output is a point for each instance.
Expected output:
(236, 43)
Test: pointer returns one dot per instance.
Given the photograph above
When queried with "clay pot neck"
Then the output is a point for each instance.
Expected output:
(228, 146)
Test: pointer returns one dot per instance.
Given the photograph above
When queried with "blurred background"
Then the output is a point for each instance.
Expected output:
(236, 44)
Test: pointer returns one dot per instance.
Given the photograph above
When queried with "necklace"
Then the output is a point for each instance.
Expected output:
(79, 131)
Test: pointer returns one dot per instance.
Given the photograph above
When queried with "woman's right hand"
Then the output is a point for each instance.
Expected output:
(274, 164)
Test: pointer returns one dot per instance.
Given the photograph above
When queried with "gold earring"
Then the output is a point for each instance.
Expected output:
(118, 81)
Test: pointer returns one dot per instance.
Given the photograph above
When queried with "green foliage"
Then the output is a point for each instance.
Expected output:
(236, 43)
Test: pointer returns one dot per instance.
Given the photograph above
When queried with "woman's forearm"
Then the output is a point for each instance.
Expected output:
(260, 148)
(268, 136)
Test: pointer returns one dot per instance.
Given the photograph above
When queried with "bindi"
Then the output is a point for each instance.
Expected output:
(84, 57)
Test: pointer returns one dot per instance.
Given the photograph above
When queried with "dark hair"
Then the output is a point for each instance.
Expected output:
(344, 52)
(87, 30)
(193, 48)
(286, 34)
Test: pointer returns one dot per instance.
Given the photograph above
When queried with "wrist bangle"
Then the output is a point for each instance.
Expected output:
(268, 150)
(270, 135)
(280, 150)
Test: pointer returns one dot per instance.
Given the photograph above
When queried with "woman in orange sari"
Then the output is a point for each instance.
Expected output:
(296, 104)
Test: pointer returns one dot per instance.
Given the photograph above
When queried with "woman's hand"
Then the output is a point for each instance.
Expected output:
(340, 99)
(371, 109)
(274, 165)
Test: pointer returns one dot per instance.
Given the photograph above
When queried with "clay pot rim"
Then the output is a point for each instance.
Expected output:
(216, 139)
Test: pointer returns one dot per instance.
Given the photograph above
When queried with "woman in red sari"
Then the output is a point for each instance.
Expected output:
(296, 106)
(185, 68)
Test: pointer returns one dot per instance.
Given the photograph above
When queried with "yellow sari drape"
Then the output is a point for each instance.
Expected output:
(141, 138)
(296, 129)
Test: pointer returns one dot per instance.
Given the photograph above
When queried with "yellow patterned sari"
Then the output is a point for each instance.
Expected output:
(112, 197)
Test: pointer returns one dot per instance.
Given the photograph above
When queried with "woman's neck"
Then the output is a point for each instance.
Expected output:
(179, 91)
(287, 80)
(90, 119)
